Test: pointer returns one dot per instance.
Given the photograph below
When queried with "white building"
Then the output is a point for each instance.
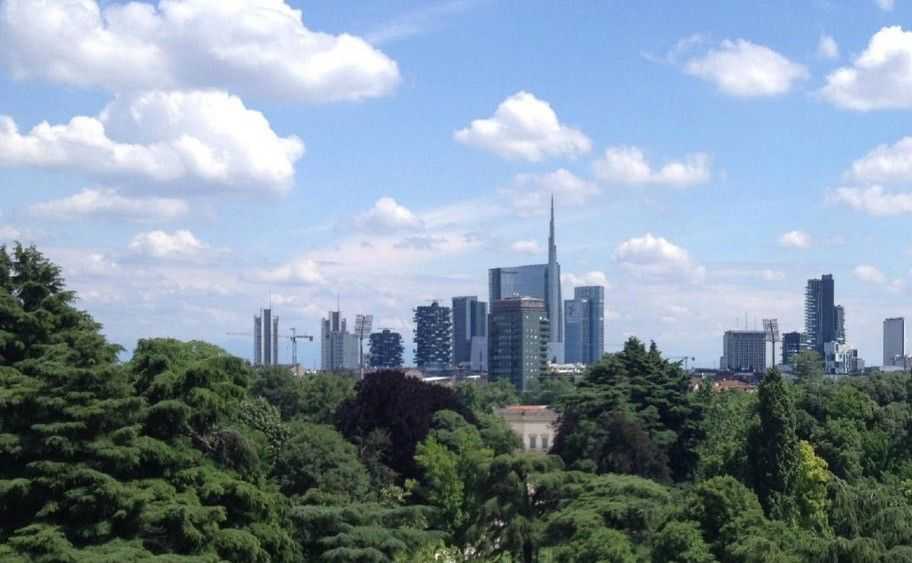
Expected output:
(841, 359)
(536, 425)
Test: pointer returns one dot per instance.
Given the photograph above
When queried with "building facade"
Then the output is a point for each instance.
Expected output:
(820, 317)
(339, 349)
(744, 351)
(894, 341)
(518, 337)
(841, 359)
(386, 349)
(584, 325)
(539, 281)
(433, 337)
(792, 344)
(470, 320)
(534, 425)
(265, 338)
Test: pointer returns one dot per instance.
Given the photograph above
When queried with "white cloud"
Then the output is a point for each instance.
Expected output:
(657, 257)
(745, 69)
(163, 137)
(588, 278)
(772, 275)
(884, 164)
(879, 78)
(827, 48)
(628, 165)
(387, 216)
(886, 5)
(301, 271)
(873, 200)
(795, 239)
(526, 247)
(524, 128)
(258, 47)
(870, 274)
(108, 202)
(530, 193)
(160, 244)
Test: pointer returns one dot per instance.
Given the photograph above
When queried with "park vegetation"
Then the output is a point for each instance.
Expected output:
(183, 453)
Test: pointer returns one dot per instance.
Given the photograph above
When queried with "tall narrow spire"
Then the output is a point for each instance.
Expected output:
(552, 247)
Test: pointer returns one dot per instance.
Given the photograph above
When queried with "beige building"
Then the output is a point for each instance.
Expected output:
(536, 425)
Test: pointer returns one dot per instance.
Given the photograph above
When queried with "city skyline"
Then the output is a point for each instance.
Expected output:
(426, 153)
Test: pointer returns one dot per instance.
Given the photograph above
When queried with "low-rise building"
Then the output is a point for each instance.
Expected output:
(841, 359)
(535, 425)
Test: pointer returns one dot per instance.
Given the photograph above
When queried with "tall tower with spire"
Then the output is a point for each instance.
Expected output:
(553, 300)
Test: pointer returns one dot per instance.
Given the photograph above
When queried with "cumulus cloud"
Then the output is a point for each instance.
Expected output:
(526, 247)
(827, 48)
(870, 274)
(387, 216)
(744, 69)
(108, 202)
(628, 165)
(588, 278)
(204, 137)
(258, 47)
(525, 128)
(180, 244)
(873, 200)
(879, 78)
(884, 164)
(657, 257)
(530, 194)
(302, 271)
(795, 239)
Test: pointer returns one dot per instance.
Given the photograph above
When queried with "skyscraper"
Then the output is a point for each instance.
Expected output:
(894, 341)
(265, 338)
(792, 342)
(839, 313)
(469, 321)
(745, 351)
(820, 317)
(518, 337)
(540, 281)
(584, 333)
(338, 348)
(433, 336)
(386, 349)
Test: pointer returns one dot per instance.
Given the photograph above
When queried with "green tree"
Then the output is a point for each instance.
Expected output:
(681, 542)
(808, 366)
(811, 490)
(774, 450)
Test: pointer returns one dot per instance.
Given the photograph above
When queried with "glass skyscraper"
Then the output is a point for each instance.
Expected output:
(584, 333)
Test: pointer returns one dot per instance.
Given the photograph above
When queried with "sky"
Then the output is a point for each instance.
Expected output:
(186, 161)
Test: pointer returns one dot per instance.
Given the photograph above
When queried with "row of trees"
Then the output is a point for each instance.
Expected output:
(185, 453)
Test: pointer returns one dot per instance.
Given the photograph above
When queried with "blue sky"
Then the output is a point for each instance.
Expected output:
(185, 159)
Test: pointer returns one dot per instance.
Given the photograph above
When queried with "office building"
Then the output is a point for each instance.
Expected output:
(841, 359)
(518, 337)
(894, 341)
(539, 281)
(584, 325)
(470, 320)
(339, 349)
(745, 351)
(822, 322)
(386, 349)
(479, 353)
(433, 337)
(265, 338)
(792, 344)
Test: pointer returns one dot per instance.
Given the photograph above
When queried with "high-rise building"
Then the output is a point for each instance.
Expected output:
(540, 281)
(792, 343)
(820, 316)
(386, 349)
(518, 337)
(470, 320)
(745, 350)
(265, 338)
(839, 313)
(338, 347)
(433, 336)
(894, 342)
(584, 325)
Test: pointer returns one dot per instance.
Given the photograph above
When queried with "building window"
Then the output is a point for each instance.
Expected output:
(544, 438)
(532, 440)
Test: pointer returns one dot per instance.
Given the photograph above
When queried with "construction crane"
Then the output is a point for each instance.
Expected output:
(293, 337)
